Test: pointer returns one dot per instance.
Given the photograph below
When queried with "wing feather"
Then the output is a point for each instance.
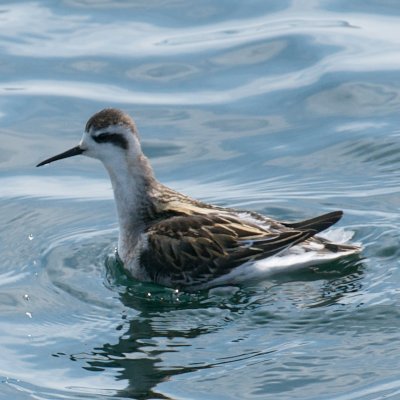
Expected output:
(198, 248)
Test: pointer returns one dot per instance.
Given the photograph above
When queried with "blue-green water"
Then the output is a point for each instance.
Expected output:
(289, 108)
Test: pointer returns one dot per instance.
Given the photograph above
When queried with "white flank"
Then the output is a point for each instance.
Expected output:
(293, 259)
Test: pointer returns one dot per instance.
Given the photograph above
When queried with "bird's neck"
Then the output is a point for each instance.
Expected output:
(133, 182)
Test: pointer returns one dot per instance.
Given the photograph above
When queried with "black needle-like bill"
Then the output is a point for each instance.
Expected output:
(69, 153)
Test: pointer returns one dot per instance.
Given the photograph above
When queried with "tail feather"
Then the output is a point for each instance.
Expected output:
(317, 224)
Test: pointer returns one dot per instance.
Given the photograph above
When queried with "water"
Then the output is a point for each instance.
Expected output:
(287, 108)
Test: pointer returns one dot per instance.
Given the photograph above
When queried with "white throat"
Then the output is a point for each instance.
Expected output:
(132, 179)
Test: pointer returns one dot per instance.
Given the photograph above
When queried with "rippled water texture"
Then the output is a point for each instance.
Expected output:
(288, 108)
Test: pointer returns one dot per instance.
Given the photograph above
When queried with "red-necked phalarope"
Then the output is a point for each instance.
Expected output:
(171, 239)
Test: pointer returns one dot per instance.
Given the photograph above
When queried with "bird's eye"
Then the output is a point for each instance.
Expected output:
(103, 137)
(113, 138)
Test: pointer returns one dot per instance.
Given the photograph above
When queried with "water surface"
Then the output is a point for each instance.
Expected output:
(286, 108)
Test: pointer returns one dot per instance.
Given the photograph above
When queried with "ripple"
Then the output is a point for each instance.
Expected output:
(251, 54)
(70, 187)
(385, 154)
(45, 34)
(163, 71)
(12, 277)
(356, 99)
(74, 264)
(347, 45)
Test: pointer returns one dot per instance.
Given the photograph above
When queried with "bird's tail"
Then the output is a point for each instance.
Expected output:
(317, 224)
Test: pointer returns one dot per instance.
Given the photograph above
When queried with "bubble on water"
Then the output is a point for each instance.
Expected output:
(26, 297)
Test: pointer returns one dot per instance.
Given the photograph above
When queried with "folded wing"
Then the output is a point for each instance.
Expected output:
(197, 248)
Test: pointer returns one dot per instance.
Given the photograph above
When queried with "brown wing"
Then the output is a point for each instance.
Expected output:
(195, 249)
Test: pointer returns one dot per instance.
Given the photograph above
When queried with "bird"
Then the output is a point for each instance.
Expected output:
(177, 241)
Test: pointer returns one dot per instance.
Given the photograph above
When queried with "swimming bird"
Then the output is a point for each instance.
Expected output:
(177, 241)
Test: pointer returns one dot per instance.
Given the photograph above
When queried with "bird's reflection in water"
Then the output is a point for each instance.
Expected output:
(138, 358)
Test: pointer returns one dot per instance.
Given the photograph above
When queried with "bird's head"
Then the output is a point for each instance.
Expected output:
(109, 135)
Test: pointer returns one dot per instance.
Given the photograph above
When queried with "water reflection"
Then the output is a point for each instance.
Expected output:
(135, 360)
(146, 339)
(170, 322)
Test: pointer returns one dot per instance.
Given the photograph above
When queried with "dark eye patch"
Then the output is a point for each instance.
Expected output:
(113, 138)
